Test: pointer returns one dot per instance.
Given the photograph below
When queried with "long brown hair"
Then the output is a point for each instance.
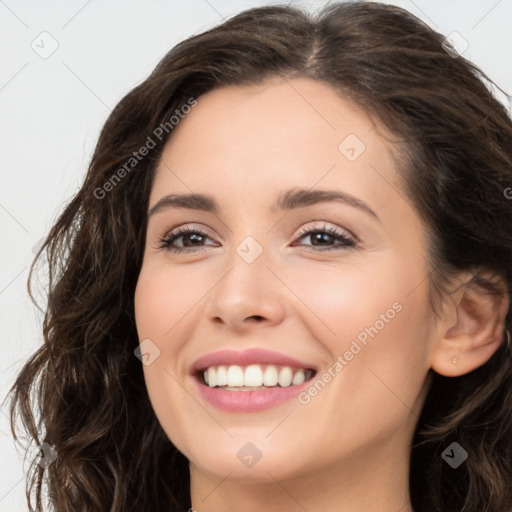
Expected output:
(83, 390)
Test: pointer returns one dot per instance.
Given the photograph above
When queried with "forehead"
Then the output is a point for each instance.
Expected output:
(248, 140)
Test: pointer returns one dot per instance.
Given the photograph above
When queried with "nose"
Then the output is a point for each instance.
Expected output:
(248, 296)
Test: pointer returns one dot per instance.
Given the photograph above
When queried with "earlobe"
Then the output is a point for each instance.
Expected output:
(473, 330)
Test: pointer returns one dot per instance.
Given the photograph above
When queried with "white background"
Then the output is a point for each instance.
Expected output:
(52, 110)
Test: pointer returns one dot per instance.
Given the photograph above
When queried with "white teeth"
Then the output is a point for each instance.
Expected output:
(253, 377)
(235, 375)
(222, 376)
(285, 377)
(212, 377)
(298, 377)
(270, 376)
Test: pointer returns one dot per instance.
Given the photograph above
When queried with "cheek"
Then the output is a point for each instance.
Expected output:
(341, 302)
(373, 317)
(372, 324)
(152, 311)
(163, 296)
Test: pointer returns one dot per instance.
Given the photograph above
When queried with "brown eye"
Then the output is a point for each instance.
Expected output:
(323, 238)
(190, 238)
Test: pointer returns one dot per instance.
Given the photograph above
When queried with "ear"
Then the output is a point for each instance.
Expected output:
(472, 328)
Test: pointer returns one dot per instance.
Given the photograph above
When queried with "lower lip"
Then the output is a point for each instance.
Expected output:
(249, 401)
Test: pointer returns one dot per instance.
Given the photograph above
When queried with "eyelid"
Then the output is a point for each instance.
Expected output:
(327, 226)
(303, 229)
(192, 226)
(344, 238)
(179, 231)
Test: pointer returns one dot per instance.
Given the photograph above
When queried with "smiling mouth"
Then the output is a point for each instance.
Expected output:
(253, 377)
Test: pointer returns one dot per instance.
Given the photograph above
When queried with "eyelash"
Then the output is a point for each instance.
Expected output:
(165, 243)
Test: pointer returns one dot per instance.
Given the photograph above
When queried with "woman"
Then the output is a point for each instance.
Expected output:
(301, 228)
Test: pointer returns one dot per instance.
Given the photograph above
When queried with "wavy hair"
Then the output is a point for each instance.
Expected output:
(83, 390)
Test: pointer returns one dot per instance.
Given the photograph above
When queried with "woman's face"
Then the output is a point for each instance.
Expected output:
(261, 276)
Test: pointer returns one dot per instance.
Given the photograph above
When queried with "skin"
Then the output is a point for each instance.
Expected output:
(348, 448)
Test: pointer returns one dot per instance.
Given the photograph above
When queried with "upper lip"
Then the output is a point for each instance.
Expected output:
(247, 357)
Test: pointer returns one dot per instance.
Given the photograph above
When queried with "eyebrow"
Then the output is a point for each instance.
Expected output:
(286, 201)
